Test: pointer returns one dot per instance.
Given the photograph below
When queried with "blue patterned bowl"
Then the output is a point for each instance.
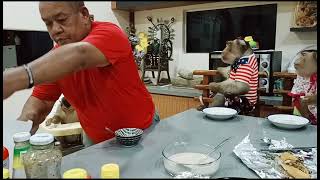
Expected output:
(128, 136)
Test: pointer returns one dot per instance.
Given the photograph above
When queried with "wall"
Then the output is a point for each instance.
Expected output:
(28, 16)
(286, 41)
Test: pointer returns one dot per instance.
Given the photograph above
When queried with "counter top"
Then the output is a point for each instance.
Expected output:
(145, 160)
(191, 92)
(174, 91)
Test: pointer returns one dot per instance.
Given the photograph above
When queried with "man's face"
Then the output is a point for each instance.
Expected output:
(65, 24)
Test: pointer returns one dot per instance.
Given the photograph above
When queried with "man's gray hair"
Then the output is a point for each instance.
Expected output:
(76, 5)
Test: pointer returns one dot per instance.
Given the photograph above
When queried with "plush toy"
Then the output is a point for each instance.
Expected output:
(239, 90)
(65, 114)
(304, 90)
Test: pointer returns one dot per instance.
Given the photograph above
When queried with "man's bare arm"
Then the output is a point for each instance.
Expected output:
(54, 65)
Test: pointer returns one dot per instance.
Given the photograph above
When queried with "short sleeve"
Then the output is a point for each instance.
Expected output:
(47, 92)
(110, 40)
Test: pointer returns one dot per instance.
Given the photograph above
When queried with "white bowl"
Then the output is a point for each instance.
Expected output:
(220, 113)
(288, 121)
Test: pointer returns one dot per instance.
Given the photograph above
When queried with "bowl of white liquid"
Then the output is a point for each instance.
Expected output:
(198, 159)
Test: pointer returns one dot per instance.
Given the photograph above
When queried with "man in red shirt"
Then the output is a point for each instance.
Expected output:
(92, 66)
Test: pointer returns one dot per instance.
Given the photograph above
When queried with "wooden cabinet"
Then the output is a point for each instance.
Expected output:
(167, 105)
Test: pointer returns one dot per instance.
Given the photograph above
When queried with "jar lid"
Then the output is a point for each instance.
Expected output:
(110, 171)
(21, 136)
(5, 173)
(75, 173)
(5, 153)
(41, 139)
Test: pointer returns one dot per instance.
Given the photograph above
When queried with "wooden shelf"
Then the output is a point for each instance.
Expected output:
(284, 108)
(284, 75)
(281, 91)
(303, 29)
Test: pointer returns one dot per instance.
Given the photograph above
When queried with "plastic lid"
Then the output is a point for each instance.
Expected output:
(21, 136)
(5, 173)
(75, 173)
(248, 38)
(41, 139)
(110, 171)
(5, 153)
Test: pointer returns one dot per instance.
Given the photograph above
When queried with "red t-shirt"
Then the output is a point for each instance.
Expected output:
(111, 96)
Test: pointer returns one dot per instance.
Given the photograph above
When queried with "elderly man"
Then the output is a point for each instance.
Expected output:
(92, 66)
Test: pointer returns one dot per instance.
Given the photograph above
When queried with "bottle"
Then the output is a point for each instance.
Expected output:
(5, 158)
(43, 160)
(6, 174)
(76, 173)
(21, 146)
(110, 171)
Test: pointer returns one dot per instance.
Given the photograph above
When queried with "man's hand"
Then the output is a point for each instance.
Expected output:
(35, 110)
(36, 119)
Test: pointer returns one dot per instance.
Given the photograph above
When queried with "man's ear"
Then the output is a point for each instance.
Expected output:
(91, 16)
(85, 12)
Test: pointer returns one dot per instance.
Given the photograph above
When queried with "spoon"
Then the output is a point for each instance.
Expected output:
(109, 130)
(214, 149)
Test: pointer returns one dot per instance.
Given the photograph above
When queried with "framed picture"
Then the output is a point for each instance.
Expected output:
(305, 14)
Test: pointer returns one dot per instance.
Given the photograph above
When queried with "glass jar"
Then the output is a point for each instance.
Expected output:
(43, 160)
(21, 146)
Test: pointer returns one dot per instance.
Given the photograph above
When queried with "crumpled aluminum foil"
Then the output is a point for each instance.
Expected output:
(263, 163)
(190, 175)
(275, 144)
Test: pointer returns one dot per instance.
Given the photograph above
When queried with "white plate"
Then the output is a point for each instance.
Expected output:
(220, 112)
(288, 121)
